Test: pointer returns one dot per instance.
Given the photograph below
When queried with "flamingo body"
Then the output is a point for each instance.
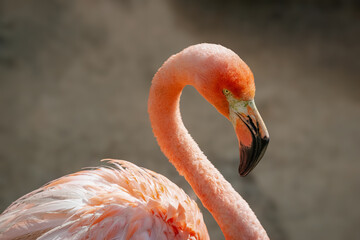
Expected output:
(127, 202)
(119, 202)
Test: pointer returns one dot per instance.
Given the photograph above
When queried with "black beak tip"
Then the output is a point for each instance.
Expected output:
(243, 173)
(250, 156)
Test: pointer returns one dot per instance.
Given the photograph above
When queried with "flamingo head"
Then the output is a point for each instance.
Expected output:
(228, 84)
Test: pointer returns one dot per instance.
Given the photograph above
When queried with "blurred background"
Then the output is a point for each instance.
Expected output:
(74, 82)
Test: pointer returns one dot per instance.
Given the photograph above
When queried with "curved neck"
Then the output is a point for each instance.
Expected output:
(230, 210)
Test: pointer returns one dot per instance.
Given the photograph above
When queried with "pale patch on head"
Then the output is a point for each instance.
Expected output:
(238, 105)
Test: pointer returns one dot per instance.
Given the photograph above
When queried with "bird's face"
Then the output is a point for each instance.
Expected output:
(231, 89)
(250, 129)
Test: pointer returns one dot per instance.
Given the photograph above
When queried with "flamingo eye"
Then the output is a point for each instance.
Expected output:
(226, 92)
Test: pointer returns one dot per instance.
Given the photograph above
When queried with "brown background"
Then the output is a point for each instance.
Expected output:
(74, 80)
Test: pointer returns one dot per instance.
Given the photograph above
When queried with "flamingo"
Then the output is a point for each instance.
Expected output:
(124, 201)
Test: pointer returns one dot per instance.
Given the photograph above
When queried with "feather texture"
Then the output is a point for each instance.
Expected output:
(120, 201)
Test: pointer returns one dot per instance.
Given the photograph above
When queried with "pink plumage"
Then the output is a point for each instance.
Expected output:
(123, 201)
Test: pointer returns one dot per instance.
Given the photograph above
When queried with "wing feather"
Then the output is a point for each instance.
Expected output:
(120, 201)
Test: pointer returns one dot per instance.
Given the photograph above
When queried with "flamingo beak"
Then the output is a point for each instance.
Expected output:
(251, 132)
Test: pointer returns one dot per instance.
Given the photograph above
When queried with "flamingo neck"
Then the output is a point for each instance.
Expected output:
(230, 210)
